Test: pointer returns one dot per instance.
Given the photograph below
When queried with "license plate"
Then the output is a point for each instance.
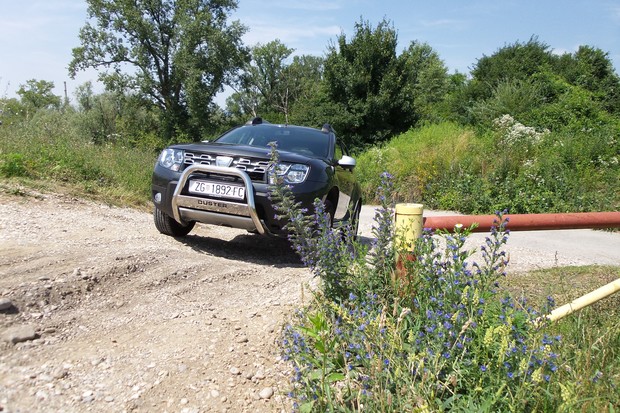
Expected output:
(217, 189)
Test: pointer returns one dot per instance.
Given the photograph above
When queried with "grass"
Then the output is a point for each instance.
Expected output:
(452, 167)
(417, 158)
(49, 152)
(591, 337)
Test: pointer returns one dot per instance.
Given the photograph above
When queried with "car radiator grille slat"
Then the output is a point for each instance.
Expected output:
(254, 167)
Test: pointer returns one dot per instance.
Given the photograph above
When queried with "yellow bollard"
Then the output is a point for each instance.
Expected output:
(408, 224)
(408, 227)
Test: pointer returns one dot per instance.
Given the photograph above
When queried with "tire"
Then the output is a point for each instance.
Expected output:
(355, 220)
(330, 210)
(168, 226)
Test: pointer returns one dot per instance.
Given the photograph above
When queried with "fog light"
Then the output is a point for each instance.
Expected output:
(157, 197)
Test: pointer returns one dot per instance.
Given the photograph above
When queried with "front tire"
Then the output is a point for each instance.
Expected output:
(355, 220)
(168, 226)
(330, 211)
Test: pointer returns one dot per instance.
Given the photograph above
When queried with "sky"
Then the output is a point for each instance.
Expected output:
(37, 36)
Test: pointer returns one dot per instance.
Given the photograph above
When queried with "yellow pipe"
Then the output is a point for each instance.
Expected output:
(408, 224)
(583, 301)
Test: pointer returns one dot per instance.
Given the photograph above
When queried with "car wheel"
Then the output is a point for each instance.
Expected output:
(168, 226)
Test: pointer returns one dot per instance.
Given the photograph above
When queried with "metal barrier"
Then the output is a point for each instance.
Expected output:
(530, 222)
(409, 222)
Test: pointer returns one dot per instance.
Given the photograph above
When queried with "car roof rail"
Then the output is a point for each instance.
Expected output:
(256, 121)
(327, 128)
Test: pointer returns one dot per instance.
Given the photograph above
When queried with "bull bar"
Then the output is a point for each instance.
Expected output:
(217, 211)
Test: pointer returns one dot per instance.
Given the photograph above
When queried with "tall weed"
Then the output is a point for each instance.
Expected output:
(51, 147)
(418, 158)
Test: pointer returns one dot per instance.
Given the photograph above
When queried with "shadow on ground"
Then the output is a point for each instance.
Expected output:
(252, 248)
(247, 247)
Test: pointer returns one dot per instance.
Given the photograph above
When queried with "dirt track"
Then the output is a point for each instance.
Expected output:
(129, 320)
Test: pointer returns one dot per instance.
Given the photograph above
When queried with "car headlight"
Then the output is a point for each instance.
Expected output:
(171, 159)
(290, 173)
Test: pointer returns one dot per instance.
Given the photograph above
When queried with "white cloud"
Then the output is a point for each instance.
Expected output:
(305, 38)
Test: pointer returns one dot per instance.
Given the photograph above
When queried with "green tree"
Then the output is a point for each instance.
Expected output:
(453, 105)
(119, 117)
(426, 80)
(592, 69)
(11, 110)
(517, 61)
(540, 88)
(369, 92)
(303, 78)
(37, 94)
(361, 82)
(304, 75)
(98, 115)
(270, 87)
(85, 96)
(178, 54)
(261, 88)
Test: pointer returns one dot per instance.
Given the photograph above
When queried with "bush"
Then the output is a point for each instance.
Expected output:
(436, 336)
(418, 158)
(12, 165)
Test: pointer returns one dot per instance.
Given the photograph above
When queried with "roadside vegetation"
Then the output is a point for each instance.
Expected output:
(443, 332)
(49, 151)
(508, 166)
(526, 130)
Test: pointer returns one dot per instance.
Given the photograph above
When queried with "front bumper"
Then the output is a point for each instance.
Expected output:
(254, 213)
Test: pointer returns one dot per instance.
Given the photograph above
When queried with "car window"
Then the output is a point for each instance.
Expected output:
(304, 141)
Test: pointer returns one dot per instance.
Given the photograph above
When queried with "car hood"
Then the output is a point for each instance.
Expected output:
(244, 150)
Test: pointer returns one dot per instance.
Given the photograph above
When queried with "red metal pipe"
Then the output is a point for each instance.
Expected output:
(529, 222)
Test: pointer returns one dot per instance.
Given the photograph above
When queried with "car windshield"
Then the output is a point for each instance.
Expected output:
(304, 141)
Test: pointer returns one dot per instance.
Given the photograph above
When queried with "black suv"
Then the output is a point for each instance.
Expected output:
(226, 182)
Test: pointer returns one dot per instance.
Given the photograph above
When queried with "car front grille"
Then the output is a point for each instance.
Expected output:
(255, 168)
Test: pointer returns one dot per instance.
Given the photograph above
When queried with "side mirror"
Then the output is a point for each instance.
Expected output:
(347, 162)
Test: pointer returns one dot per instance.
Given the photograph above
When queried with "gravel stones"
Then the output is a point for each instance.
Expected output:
(19, 334)
(5, 304)
(266, 393)
(131, 320)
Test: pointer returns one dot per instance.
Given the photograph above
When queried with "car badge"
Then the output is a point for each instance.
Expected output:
(223, 161)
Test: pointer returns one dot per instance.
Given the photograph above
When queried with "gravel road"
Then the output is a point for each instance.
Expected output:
(99, 312)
